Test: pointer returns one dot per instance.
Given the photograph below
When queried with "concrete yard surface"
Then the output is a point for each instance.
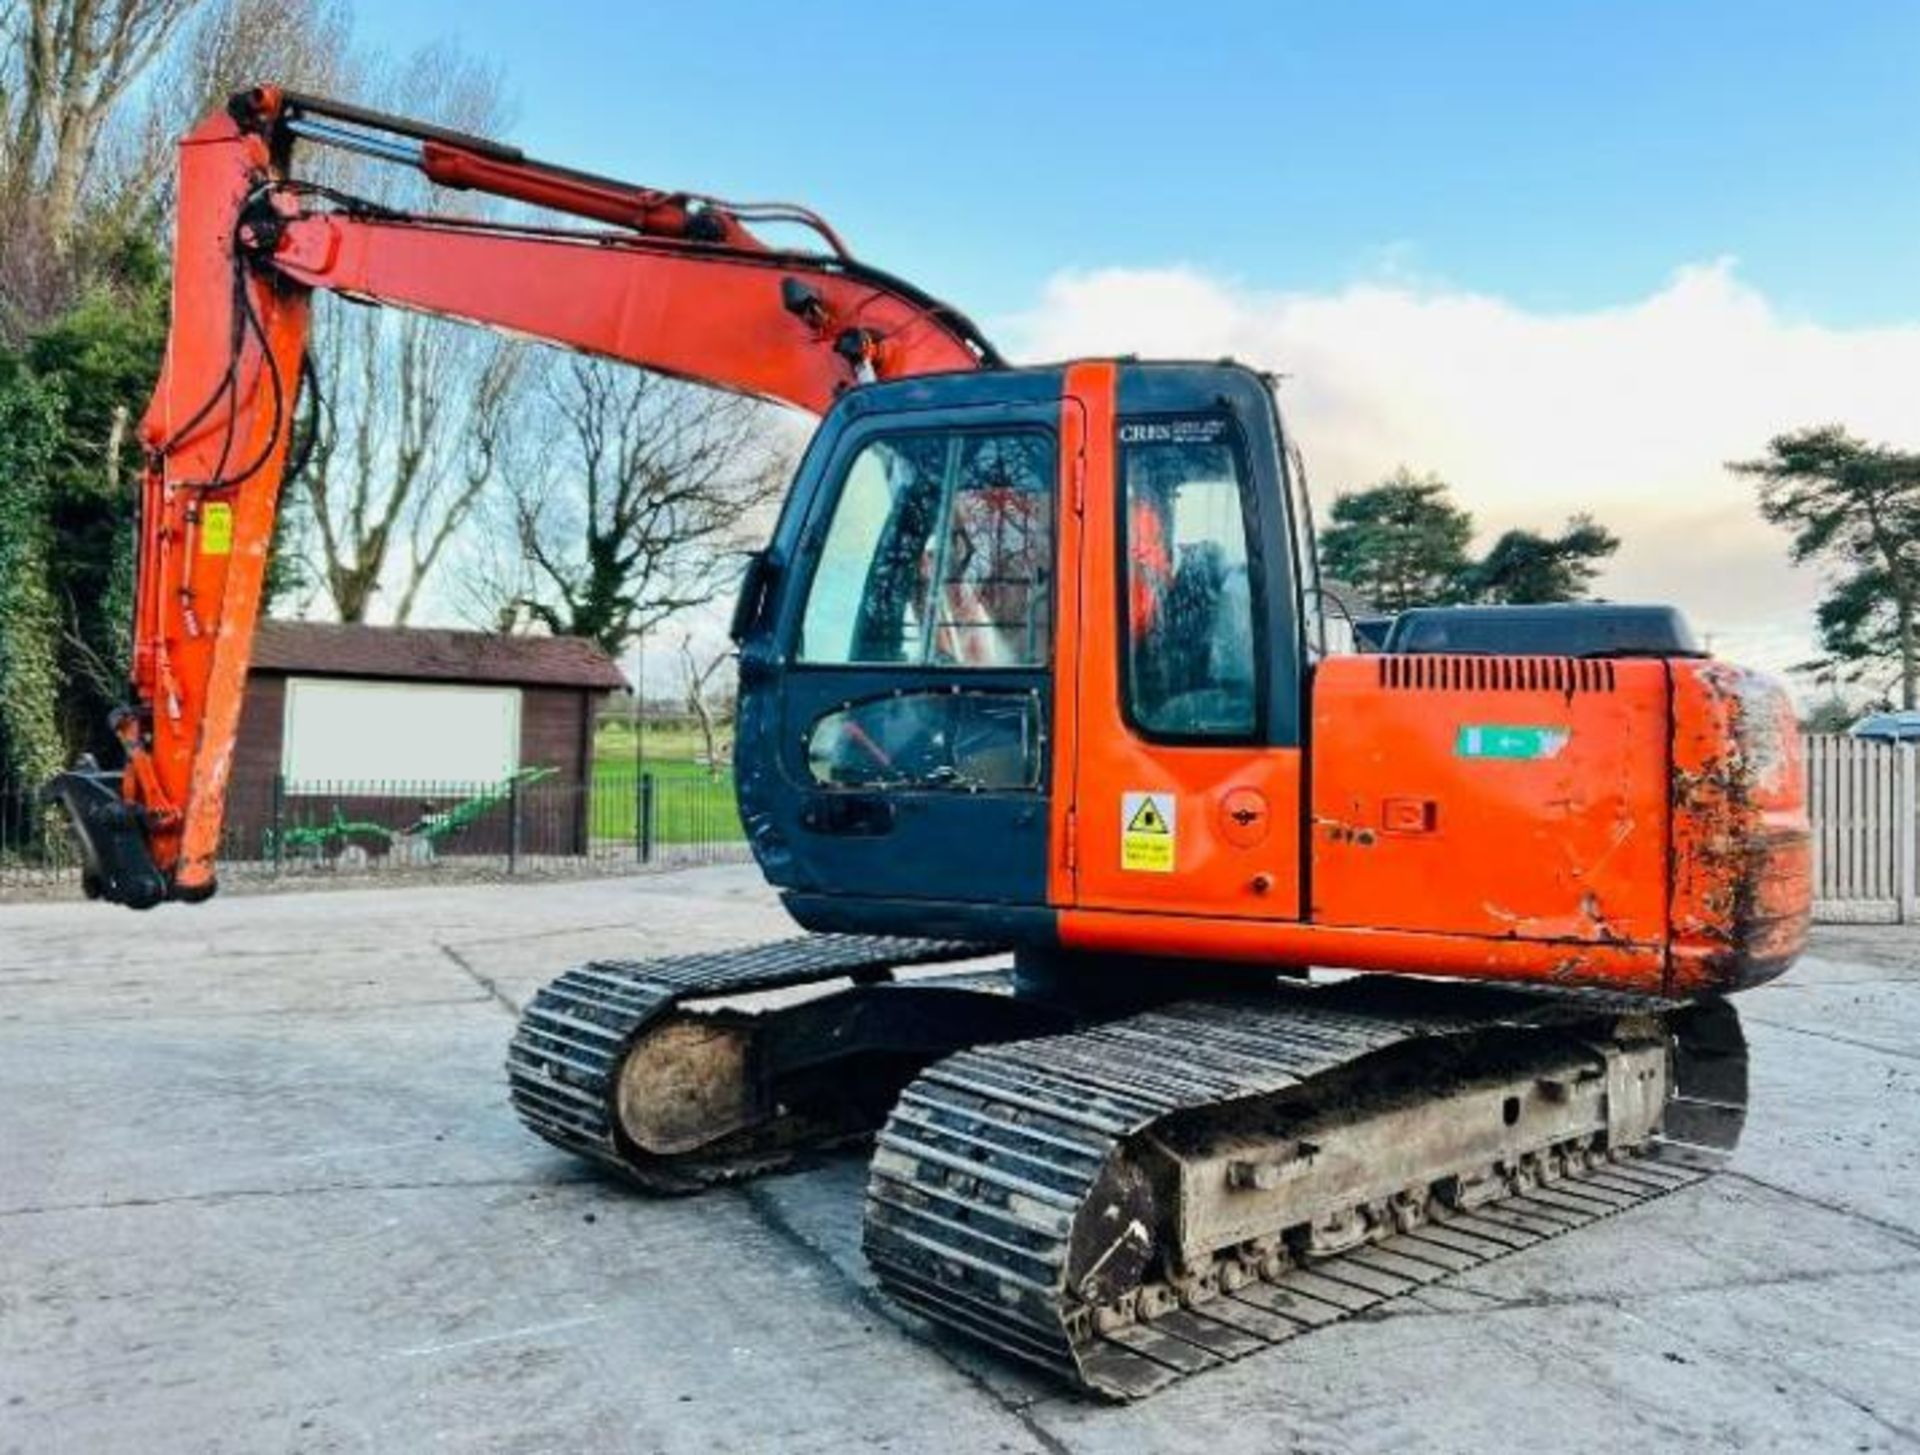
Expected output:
(260, 1189)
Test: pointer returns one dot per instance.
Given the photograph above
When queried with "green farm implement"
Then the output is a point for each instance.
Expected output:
(351, 842)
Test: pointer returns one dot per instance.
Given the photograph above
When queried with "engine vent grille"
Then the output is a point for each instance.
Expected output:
(1438, 673)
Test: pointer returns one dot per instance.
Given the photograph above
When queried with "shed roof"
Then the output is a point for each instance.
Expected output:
(432, 654)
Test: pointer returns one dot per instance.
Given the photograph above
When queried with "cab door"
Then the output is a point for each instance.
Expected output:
(1188, 654)
(910, 707)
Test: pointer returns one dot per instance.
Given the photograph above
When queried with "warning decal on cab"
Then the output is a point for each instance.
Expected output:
(1147, 834)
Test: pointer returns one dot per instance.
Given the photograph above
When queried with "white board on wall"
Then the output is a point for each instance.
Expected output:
(397, 732)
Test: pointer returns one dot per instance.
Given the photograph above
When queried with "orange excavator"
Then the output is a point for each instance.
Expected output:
(1197, 987)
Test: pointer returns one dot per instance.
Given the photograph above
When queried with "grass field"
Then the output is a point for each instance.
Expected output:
(613, 744)
(691, 806)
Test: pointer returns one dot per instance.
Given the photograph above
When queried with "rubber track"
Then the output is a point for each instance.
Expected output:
(563, 1063)
(991, 1154)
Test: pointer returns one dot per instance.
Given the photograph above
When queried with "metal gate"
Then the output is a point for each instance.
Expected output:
(1860, 795)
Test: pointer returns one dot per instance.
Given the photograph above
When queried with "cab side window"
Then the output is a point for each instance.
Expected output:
(940, 554)
(1191, 651)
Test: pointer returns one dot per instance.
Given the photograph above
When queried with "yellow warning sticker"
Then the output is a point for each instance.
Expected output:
(216, 529)
(1147, 835)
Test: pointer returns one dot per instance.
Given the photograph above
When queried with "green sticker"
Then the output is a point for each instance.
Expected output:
(1502, 740)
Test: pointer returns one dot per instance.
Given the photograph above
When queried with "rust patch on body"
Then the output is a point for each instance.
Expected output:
(1741, 892)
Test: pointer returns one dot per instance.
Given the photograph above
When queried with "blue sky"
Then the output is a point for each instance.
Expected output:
(1560, 156)
(1570, 257)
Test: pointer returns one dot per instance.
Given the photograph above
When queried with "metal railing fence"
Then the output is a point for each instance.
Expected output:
(533, 823)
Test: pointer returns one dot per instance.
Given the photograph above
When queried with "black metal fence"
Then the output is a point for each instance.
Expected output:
(533, 823)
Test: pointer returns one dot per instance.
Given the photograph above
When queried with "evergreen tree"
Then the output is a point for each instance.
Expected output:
(1854, 507)
(1401, 543)
(1525, 567)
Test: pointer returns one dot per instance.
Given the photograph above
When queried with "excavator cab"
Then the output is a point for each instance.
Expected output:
(972, 567)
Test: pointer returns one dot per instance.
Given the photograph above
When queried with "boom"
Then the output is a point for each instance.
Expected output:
(681, 284)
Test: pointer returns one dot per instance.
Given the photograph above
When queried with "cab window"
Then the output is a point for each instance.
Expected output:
(970, 742)
(1189, 618)
(939, 554)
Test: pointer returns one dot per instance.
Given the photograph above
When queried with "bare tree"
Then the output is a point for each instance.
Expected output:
(228, 45)
(650, 493)
(416, 407)
(93, 96)
(66, 69)
(447, 504)
(406, 446)
(702, 686)
(68, 64)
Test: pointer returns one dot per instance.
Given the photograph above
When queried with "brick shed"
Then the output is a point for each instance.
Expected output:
(379, 719)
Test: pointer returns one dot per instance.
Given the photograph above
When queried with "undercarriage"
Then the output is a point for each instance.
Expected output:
(1123, 1191)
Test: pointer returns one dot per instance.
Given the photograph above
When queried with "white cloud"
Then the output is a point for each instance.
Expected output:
(1628, 412)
